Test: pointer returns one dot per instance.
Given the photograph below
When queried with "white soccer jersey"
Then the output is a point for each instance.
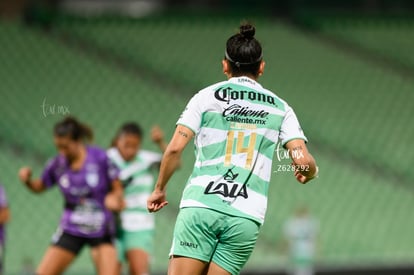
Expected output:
(138, 181)
(237, 124)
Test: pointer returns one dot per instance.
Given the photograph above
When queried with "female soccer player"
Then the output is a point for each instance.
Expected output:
(90, 187)
(136, 229)
(236, 124)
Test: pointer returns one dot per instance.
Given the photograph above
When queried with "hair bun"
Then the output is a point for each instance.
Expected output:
(247, 30)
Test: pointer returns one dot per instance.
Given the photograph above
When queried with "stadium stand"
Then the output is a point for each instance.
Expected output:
(388, 37)
(348, 109)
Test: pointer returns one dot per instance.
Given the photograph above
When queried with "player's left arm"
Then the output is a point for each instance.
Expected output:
(305, 165)
(169, 163)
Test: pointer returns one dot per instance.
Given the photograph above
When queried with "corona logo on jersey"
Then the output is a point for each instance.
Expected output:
(228, 189)
(227, 94)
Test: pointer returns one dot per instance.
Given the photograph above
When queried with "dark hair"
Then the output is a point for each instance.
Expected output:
(244, 52)
(128, 128)
(74, 129)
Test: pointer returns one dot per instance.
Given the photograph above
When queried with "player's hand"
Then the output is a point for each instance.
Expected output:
(304, 179)
(25, 174)
(301, 178)
(156, 201)
(114, 202)
(157, 135)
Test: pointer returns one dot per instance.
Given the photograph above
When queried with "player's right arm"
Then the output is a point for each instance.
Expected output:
(35, 185)
(170, 162)
(187, 126)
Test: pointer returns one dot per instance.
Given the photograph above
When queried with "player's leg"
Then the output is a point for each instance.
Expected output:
(138, 245)
(194, 241)
(215, 269)
(120, 250)
(55, 261)
(186, 266)
(106, 261)
(60, 254)
(105, 256)
(181, 265)
(235, 245)
(138, 261)
(94, 256)
(95, 260)
(2, 252)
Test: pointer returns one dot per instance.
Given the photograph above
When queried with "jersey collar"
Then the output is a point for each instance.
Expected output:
(245, 81)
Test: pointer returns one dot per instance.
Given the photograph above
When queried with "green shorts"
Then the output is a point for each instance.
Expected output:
(212, 236)
(128, 240)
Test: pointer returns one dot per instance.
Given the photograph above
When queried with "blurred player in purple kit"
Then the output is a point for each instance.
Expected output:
(4, 218)
(91, 189)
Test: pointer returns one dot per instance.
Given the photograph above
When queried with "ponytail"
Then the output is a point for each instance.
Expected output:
(244, 51)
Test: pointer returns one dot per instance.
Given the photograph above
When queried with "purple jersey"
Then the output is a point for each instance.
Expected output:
(84, 193)
(3, 204)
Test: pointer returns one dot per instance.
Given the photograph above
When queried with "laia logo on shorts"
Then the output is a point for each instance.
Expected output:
(228, 189)
(192, 245)
(226, 94)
